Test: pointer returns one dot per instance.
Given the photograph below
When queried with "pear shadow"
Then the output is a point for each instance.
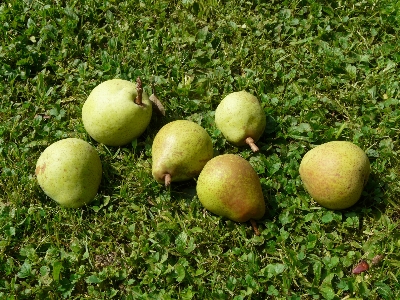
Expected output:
(41, 197)
(109, 175)
(184, 190)
(270, 133)
(373, 194)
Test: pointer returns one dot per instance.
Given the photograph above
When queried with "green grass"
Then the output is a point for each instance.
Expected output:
(323, 71)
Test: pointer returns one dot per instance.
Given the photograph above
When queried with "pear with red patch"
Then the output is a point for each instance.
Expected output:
(228, 186)
(335, 174)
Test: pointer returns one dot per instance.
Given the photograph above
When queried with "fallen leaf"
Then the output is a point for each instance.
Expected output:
(157, 105)
(361, 267)
(377, 259)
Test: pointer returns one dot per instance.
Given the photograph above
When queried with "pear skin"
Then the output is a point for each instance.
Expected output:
(335, 173)
(180, 150)
(228, 186)
(241, 119)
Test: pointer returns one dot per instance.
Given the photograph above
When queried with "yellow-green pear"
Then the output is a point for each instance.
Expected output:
(116, 112)
(241, 119)
(335, 173)
(228, 186)
(69, 171)
(180, 150)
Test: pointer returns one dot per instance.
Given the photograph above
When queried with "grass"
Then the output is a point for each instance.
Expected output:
(323, 71)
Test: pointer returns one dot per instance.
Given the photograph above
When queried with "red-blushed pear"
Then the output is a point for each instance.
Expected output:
(69, 171)
(116, 112)
(180, 150)
(228, 186)
(335, 174)
(241, 119)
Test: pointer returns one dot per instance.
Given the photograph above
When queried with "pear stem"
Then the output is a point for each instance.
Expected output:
(249, 141)
(255, 227)
(139, 89)
(167, 179)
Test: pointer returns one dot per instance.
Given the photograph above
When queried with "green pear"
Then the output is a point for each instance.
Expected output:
(69, 171)
(228, 186)
(180, 150)
(335, 173)
(116, 112)
(241, 119)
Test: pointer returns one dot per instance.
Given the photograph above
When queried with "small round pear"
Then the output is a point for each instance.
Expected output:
(69, 171)
(180, 150)
(228, 186)
(335, 174)
(241, 119)
(116, 112)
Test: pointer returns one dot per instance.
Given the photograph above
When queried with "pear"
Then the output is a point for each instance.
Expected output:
(116, 112)
(69, 171)
(228, 186)
(180, 150)
(241, 119)
(335, 173)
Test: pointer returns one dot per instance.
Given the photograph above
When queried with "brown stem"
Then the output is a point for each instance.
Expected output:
(139, 89)
(167, 179)
(249, 141)
(255, 227)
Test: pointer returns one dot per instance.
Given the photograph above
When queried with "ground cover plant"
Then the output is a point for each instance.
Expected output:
(322, 70)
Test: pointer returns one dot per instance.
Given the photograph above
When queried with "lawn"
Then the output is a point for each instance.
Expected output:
(322, 70)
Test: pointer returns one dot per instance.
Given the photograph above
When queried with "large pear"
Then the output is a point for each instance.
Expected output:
(180, 150)
(69, 171)
(116, 112)
(335, 173)
(241, 119)
(228, 186)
